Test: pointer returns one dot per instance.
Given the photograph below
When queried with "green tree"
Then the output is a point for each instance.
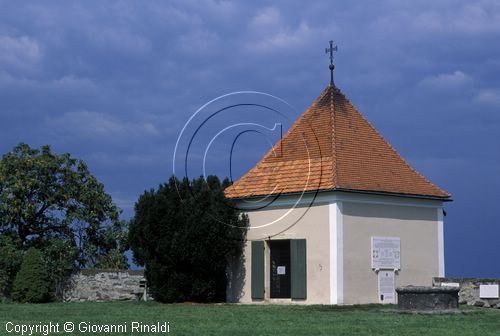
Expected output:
(32, 283)
(59, 256)
(11, 258)
(184, 234)
(45, 195)
(117, 237)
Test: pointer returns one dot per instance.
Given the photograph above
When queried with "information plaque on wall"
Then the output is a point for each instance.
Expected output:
(386, 287)
(386, 253)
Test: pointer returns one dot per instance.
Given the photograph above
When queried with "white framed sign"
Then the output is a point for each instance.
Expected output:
(488, 291)
(386, 292)
(450, 284)
(386, 253)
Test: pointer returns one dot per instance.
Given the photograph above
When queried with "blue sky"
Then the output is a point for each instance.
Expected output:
(114, 82)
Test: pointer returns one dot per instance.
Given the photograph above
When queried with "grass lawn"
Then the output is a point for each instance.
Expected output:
(253, 319)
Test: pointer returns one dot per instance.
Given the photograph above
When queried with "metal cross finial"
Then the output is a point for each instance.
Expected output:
(331, 50)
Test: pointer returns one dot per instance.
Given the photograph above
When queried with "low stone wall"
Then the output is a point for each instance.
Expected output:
(106, 285)
(469, 290)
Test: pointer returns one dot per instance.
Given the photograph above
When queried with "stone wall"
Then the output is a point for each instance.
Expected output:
(469, 290)
(106, 285)
(425, 298)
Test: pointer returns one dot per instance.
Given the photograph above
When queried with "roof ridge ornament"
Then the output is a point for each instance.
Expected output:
(330, 51)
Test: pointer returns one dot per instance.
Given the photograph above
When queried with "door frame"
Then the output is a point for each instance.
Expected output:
(286, 242)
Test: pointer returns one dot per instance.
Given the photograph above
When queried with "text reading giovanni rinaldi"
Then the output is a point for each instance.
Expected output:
(84, 327)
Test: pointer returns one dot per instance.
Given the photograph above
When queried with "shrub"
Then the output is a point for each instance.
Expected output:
(32, 283)
(185, 233)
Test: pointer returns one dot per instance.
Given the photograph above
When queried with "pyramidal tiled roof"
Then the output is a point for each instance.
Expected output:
(331, 146)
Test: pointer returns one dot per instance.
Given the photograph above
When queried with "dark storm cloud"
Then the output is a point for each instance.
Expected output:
(114, 82)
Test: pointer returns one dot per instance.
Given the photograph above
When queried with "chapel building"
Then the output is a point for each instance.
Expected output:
(337, 216)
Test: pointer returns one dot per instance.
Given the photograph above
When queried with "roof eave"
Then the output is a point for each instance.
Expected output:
(369, 192)
(395, 194)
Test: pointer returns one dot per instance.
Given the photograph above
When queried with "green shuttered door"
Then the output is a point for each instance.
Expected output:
(298, 268)
(257, 270)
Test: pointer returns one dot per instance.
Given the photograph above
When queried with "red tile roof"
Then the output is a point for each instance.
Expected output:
(331, 146)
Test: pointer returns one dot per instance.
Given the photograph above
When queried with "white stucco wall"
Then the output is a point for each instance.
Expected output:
(301, 223)
(338, 228)
(417, 228)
